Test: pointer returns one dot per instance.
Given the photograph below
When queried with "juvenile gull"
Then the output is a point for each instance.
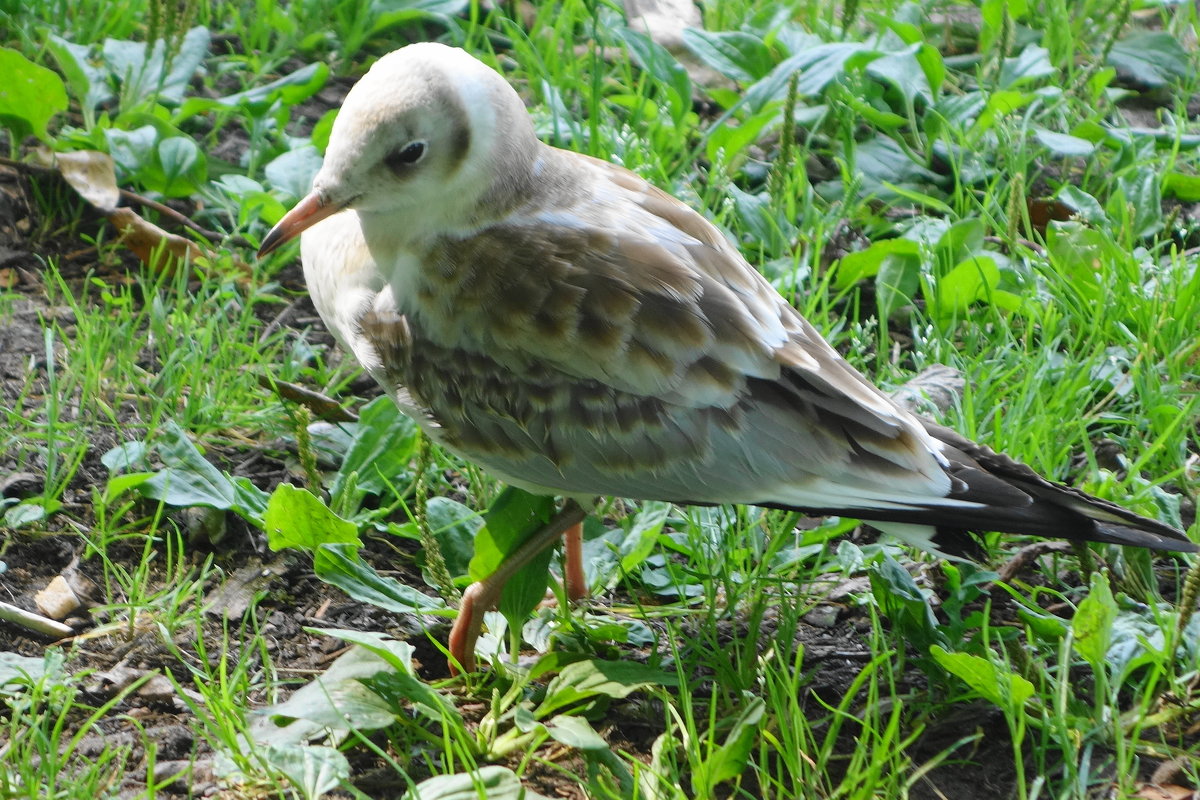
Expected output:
(576, 331)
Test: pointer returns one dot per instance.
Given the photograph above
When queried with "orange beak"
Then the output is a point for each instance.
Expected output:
(308, 212)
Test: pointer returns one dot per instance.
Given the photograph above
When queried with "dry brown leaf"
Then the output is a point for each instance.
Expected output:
(157, 248)
(322, 406)
(936, 388)
(1166, 791)
(8, 278)
(92, 174)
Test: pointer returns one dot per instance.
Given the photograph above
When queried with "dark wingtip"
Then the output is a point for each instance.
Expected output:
(1162, 537)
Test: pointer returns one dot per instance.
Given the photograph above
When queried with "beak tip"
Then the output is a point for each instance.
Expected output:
(309, 211)
(269, 244)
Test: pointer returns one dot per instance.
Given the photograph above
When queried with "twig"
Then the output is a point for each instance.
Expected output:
(278, 321)
(183, 219)
(34, 622)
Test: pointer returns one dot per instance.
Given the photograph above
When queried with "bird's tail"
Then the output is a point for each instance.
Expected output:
(1012, 498)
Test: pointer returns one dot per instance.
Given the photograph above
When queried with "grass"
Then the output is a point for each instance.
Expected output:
(896, 189)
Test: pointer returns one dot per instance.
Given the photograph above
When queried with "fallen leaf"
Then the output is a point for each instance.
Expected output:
(92, 174)
(322, 406)
(936, 388)
(1168, 791)
(157, 248)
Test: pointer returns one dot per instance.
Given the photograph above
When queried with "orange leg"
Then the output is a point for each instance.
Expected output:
(482, 596)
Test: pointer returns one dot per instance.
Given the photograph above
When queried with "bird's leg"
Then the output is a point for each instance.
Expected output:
(573, 576)
(482, 596)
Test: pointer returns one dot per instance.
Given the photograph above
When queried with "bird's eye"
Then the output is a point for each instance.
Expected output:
(409, 154)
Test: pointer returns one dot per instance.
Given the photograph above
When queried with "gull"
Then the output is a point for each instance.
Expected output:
(575, 331)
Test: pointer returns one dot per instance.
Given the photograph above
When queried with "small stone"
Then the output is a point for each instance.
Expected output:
(822, 617)
(57, 600)
(172, 773)
(21, 485)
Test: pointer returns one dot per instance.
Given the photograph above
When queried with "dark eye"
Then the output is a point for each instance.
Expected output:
(410, 153)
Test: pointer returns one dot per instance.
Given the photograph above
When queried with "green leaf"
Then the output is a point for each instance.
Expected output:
(740, 56)
(896, 284)
(127, 455)
(957, 110)
(291, 89)
(1151, 59)
(575, 732)
(407, 12)
(184, 61)
(297, 518)
(1183, 186)
(903, 71)
(23, 670)
(826, 63)
(1031, 64)
(494, 783)
(1078, 252)
(960, 241)
(25, 512)
(455, 527)
(29, 95)
(322, 129)
(1005, 689)
(183, 167)
(341, 566)
(819, 66)
(863, 264)
(293, 171)
(1093, 622)
(385, 441)
(88, 83)
(119, 484)
(337, 699)
(512, 518)
(403, 691)
(586, 681)
(999, 104)
(188, 479)
(132, 151)
(666, 69)
(1139, 199)
(311, 770)
(903, 602)
(880, 159)
(968, 283)
(1062, 144)
(729, 760)
(727, 140)
(757, 215)
(1084, 205)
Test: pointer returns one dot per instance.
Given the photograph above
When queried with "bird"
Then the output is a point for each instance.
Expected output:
(578, 332)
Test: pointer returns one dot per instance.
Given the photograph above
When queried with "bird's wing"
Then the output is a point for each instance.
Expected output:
(622, 346)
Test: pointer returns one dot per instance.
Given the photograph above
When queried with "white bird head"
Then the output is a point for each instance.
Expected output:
(426, 136)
